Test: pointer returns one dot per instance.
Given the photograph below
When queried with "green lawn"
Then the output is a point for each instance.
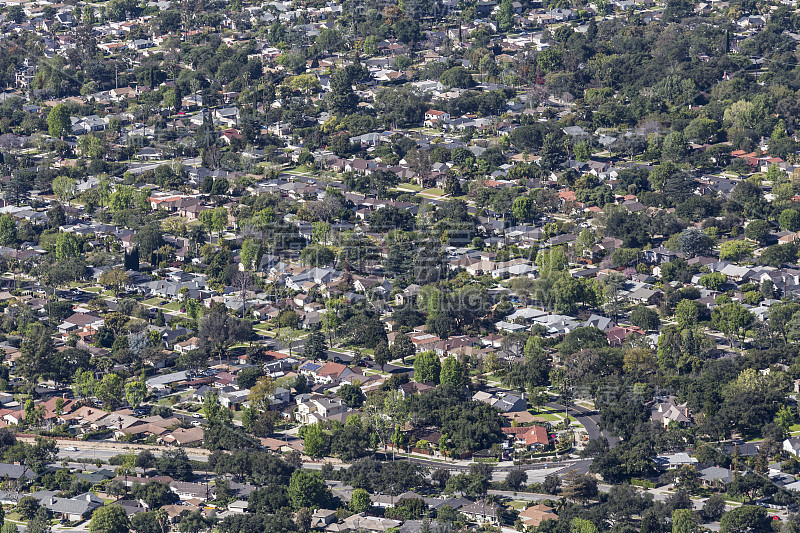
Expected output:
(550, 417)
(302, 169)
(731, 498)
(173, 306)
(433, 192)
(409, 187)
(545, 411)
(240, 345)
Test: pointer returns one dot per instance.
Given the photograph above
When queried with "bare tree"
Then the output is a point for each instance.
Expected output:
(537, 94)
(419, 161)
(243, 281)
(648, 127)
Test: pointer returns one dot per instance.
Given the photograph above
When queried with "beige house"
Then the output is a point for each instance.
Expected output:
(317, 409)
(185, 437)
(187, 345)
(362, 522)
(536, 514)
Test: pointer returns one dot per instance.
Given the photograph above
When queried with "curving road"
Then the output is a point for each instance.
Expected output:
(589, 419)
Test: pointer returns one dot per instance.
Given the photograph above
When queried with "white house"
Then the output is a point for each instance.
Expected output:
(792, 445)
(187, 345)
(238, 507)
(435, 118)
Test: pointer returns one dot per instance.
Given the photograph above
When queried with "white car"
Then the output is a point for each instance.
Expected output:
(70, 449)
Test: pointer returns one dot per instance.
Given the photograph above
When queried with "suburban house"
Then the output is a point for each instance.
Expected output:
(536, 438)
(674, 460)
(504, 402)
(669, 411)
(329, 372)
(11, 471)
(484, 512)
(534, 515)
(187, 345)
(435, 118)
(73, 509)
(318, 409)
(408, 295)
(792, 445)
(80, 322)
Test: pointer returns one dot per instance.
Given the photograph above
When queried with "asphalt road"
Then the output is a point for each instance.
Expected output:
(91, 451)
(581, 466)
(588, 418)
(338, 355)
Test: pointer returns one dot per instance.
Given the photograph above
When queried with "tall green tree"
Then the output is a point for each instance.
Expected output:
(36, 357)
(314, 347)
(64, 188)
(402, 347)
(341, 99)
(452, 371)
(733, 319)
(645, 318)
(427, 367)
(110, 390)
(789, 220)
(17, 190)
(314, 440)
(360, 502)
(686, 314)
(109, 519)
(214, 411)
(382, 355)
(505, 16)
(58, 122)
(757, 230)
(522, 208)
(308, 489)
(136, 392)
(66, 246)
(745, 519)
(683, 521)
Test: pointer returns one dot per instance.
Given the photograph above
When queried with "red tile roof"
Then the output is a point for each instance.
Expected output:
(536, 435)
